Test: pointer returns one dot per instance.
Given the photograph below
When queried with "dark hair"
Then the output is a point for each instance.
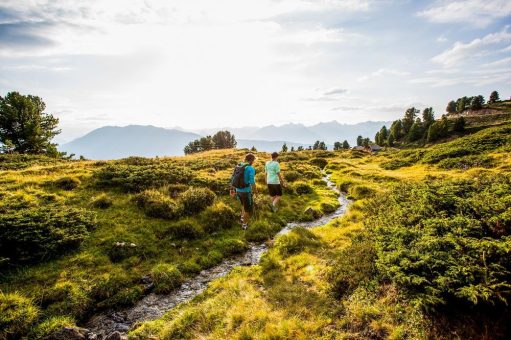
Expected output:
(274, 155)
(249, 157)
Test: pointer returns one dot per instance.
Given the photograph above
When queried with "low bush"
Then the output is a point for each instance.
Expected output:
(345, 184)
(53, 327)
(361, 191)
(297, 240)
(218, 217)
(291, 175)
(195, 200)
(190, 267)
(41, 233)
(148, 175)
(68, 298)
(218, 185)
(328, 208)
(67, 183)
(120, 250)
(156, 204)
(17, 314)
(443, 239)
(107, 286)
(166, 277)
(310, 214)
(233, 247)
(125, 297)
(303, 188)
(466, 162)
(211, 259)
(319, 162)
(261, 231)
(185, 229)
(175, 189)
(103, 201)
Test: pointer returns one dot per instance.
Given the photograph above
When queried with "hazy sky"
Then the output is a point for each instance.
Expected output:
(205, 63)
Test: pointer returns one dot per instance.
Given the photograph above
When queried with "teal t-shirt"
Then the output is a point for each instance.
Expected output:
(272, 169)
(249, 178)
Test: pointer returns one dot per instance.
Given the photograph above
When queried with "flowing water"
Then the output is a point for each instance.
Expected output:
(153, 306)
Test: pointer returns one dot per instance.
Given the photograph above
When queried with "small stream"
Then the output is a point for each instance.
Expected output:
(153, 306)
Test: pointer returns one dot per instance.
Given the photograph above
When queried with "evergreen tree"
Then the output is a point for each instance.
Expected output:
(377, 138)
(7, 147)
(366, 142)
(300, 148)
(253, 149)
(284, 147)
(494, 97)
(476, 103)
(322, 146)
(428, 117)
(451, 107)
(459, 124)
(415, 132)
(409, 119)
(337, 146)
(360, 140)
(26, 126)
(292, 149)
(461, 104)
(438, 129)
(316, 145)
(345, 145)
(391, 139)
(224, 140)
(396, 129)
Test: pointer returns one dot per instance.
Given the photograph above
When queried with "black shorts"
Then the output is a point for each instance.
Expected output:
(275, 190)
(246, 200)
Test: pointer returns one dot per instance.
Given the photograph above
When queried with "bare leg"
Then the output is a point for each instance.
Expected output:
(276, 200)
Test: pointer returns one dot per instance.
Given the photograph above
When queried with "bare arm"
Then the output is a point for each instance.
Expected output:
(282, 181)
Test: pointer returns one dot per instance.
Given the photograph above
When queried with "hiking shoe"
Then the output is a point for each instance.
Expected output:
(244, 226)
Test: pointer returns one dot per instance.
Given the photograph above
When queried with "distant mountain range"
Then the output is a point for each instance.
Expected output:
(113, 142)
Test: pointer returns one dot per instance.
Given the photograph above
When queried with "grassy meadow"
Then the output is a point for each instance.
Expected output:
(423, 251)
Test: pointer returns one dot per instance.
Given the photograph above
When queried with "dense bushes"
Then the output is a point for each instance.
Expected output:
(36, 234)
(195, 200)
(185, 229)
(446, 239)
(102, 201)
(291, 175)
(303, 188)
(17, 314)
(166, 277)
(156, 204)
(67, 183)
(297, 240)
(261, 231)
(218, 217)
(142, 175)
(319, 162)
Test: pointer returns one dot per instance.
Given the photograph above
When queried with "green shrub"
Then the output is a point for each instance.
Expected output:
(185, 229)
(37, 234)
(472, 161)
(310, 214)
(354, 265)
(218, 217)
(67, 183)
(125, 297)
(303, 188)
(360, 191)
(195, 200)
(102, 201)
(175, 189)
(444, 239)
(68, 298)
(218, 185)
(137, 177)
(211, 259)
(17, 314)
(328, 208)
(52, 326)
(233, 247)
(118, 251)
(345, 184)
(156, 204)
(190, 267)
(319, 162)
(166, 277)
(291, 175)
(297, 240)
(106, 287)
(261, 231)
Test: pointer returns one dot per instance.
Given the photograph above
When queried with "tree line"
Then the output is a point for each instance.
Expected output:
(220, 140)
(473, 103)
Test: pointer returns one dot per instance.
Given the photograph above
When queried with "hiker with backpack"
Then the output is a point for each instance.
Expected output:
(274, 180)
(243, 186)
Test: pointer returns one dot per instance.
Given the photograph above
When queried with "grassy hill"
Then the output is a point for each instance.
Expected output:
(422, 252)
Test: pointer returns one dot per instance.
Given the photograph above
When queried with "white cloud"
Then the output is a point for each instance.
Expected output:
(383, 72)
(461, 52)
(479, 13)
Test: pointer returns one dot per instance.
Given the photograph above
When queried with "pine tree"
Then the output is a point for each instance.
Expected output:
(284, 147)
(494, 97)
(409, 119)
(337, 146)
(428, 117)
(360, 140)
(345, 145)
(451, 107)
(476, 103)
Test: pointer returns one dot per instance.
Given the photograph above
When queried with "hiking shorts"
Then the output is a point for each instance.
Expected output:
(275, 190)
(246, 200)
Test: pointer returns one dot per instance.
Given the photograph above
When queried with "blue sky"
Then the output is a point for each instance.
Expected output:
(204, 63)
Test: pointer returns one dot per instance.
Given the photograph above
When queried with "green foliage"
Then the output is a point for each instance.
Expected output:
(443, 240)
(319, 162)
(494, 97)
(195, 200)
(302, 188)
(218, 217)
(22, 161)
(220, 140)
(291, 176)
(156, 204)
(297, 240)
(459, 124)
(41, 233)
(360, 191)
(347, 273)
(327, 208)
(345, 145)
(166, 277)
(121, 250)
(438, 129)
(67, 183)
(185, 229)
(233, 247)
(17, 314)
(261, 231)
(451, 107)
(68, 298)
(466, 162)
(137, 177)
(102, 201)
(24, 124)
(51, 326)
